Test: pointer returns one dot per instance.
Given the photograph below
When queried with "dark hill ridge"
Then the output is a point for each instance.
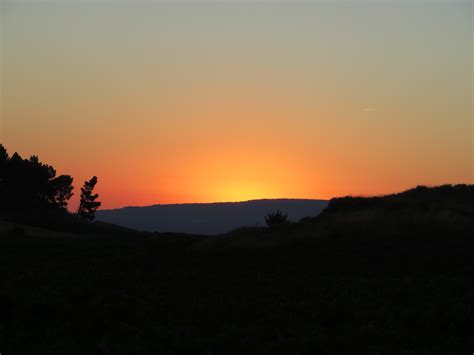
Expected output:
(447, 203)
(208, 218)
(406, 220)
(419, 198)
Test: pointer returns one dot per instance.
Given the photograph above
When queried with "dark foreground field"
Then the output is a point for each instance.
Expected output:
(380, 276)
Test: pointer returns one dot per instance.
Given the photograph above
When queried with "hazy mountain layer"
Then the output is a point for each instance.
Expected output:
(208, 218)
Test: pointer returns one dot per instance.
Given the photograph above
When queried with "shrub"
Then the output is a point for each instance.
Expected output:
(276, 218)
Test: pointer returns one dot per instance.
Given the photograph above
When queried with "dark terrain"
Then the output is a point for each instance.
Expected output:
(208, 218)
(387, 275)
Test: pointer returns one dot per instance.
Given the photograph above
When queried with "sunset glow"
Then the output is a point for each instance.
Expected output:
(202, 102)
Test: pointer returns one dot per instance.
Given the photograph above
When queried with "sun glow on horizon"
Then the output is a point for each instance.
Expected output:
(216, 102)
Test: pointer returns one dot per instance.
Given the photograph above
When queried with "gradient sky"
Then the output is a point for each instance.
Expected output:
(222, 101)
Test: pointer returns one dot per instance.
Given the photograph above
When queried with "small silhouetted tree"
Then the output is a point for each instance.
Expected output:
(276, 218)
(89, 204)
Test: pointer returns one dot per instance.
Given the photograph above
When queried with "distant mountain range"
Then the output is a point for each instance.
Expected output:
(209, 218)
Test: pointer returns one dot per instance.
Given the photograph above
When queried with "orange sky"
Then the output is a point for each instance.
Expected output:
(224, 102)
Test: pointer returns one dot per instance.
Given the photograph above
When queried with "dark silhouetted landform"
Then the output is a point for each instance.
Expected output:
(383, 275)
(208, 218)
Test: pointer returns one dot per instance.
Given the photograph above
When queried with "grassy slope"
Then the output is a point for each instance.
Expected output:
(379, 276)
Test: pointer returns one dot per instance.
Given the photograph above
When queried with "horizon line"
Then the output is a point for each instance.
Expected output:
(217, 202)
(289, 198)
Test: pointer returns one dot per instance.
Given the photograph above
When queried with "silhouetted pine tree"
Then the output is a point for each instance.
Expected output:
(89, 204)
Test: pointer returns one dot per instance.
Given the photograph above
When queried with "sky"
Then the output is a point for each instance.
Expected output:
(192, 101)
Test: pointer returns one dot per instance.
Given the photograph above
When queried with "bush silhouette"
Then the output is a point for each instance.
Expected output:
(276, 218)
